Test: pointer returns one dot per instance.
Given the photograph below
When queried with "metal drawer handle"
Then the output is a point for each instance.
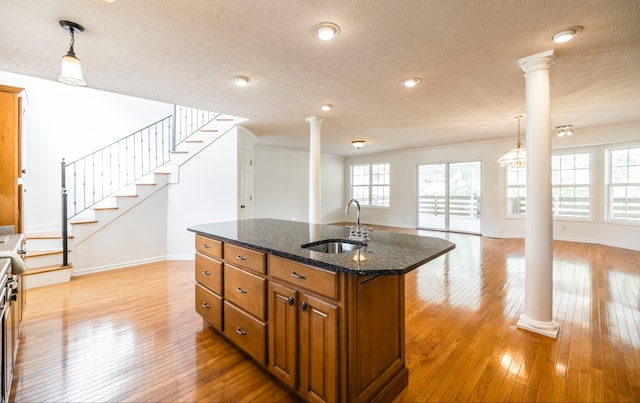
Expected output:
(205, 305)
(240, 331)
(300, 276)
(240, 290)
(241, 257)
(205, 272)
(206, 245)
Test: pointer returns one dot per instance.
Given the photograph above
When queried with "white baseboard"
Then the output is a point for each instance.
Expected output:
(120, 265)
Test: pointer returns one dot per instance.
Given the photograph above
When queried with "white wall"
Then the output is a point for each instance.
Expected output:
(402, 212)
(135, 237)
(69, 122)
(281, 185)
(207, 192)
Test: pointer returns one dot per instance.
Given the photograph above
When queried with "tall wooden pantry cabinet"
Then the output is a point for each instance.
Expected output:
(11, 190)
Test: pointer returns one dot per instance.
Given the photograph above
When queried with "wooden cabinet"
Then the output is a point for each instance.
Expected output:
(283, 333)
(246, 332)
(209, 306)
(11, 190)
(231, 293)
(300, 321)
(246, 291)
(12, 298)
(248, 259)
(318, 349)
(209, 272)
(328, 336)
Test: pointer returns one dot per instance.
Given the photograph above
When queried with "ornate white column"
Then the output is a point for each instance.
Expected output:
(538, 294)
(315, 216)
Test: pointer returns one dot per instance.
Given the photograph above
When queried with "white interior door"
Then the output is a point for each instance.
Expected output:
(246, 184)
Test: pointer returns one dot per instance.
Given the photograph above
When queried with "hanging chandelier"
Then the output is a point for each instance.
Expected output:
(516, 158)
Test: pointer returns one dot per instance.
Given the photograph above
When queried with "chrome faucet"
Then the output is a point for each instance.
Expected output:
(358, 233)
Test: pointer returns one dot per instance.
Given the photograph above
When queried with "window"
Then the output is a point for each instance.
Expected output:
(624, 184)
(571, 182)
(516, 190)
(370, 184)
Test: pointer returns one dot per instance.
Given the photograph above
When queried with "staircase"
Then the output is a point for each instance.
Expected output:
(46, 257)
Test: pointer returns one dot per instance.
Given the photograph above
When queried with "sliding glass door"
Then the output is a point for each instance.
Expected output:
(449, 196)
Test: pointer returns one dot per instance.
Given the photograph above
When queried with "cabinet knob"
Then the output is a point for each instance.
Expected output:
(240, 331)
(300, 276)
(290, 301)
(240, 290)
(304, 306)
(206, 245)
(241, 257)
(205, 305)
(205, 272)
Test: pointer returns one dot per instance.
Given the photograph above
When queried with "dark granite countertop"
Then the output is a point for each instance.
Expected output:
(386, 253)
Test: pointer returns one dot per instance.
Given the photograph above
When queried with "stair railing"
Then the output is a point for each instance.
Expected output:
(98, 175)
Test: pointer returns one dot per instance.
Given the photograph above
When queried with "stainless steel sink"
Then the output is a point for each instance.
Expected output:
(334, 246)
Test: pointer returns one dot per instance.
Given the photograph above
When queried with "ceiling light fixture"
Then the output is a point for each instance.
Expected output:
(326, 30)
(565, 130)
(240, 81)
(326, 107)
(357, 143)
(516, 158)
(410, 82)
(71, 70)
(566, 35)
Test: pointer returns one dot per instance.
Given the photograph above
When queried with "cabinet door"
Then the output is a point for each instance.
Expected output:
(318, 349)
(283, 332)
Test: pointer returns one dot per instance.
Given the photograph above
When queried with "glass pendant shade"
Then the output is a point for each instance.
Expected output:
(516, 158)
(71, 70)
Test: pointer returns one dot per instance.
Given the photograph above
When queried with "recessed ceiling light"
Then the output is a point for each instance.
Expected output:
(240, 81)
(410, 82)
(326, 30)
(326, 107)
(566, 35)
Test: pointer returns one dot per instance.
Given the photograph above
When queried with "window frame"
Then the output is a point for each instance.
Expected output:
(608, 184)
(370, 184)
(592, 188)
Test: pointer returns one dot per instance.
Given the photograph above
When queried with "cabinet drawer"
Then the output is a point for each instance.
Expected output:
(209, 273)
(246, 258)
(245, 290)
(209, 246)
(246, 331)
(313, 279)
(209, 306)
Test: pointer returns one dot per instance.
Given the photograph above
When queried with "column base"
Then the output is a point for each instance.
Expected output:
(549, 329)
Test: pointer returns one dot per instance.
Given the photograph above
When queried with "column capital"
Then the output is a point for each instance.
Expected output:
(315, 120)
(538, 61)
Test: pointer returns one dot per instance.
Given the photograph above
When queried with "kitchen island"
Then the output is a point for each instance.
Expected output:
(328, 325)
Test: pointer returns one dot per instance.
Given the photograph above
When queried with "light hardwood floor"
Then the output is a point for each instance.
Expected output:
(133, 335)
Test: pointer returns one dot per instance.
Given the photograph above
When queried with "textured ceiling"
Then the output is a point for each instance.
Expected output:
(465, 51)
